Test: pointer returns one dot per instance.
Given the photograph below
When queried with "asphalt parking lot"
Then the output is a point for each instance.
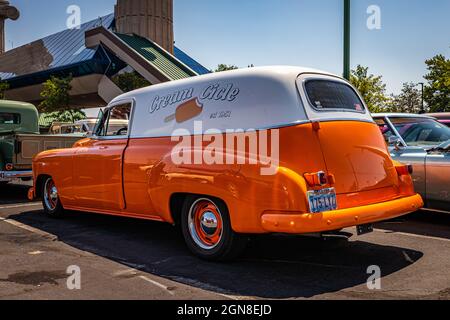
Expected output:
(131, 259)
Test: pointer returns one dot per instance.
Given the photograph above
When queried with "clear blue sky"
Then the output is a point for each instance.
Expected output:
(267, 32)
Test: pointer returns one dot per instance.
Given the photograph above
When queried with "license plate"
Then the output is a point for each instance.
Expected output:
(364, 229)
(322, 200)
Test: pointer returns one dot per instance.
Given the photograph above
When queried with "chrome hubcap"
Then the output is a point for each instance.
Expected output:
(50, 195)
(209, 223)
(205, 224)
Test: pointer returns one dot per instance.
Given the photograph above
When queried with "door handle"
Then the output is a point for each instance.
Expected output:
(103, 148)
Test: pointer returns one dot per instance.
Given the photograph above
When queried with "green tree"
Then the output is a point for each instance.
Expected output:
(437, 91)
(56, 100)
(371, 87)
(225, 67)
(3, 87)
(129, 81)
(408, 101)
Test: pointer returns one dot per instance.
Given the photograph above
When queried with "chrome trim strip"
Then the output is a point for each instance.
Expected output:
(15, 174)
(280, 126)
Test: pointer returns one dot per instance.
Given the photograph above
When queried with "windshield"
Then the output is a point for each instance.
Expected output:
(421, 131)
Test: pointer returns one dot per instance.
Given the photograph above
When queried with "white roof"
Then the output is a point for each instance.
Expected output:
(276, 72)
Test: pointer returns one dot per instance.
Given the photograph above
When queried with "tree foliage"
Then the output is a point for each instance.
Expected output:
(3, 87)
(225, 67)
(371, 87)
(408, 101)
(129, 81)
(56, 100)
(437, 91)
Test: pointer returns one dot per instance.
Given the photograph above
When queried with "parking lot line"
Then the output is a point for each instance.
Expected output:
(159, 285)
(412, 235)
(21, 205)
(30, 229)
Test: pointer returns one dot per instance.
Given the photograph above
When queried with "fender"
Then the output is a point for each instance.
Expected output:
(246, 193)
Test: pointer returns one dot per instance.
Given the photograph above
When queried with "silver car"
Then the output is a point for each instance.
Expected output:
(424, 143)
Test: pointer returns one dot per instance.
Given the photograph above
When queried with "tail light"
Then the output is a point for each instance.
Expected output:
(405, 170)
(9, 167)
(317, 179)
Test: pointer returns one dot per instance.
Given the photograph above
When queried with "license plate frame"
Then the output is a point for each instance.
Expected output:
(322, 200)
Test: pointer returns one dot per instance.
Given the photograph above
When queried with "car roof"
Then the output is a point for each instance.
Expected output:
(441, 115)
(401, 115)
(274, 72)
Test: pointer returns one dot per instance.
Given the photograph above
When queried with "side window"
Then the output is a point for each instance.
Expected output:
(114, 122)
(9, 118)
(385, 129)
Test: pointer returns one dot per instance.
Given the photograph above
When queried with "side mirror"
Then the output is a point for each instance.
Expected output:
(396, 142)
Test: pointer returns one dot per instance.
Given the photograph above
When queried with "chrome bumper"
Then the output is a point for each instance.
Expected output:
(11, 175)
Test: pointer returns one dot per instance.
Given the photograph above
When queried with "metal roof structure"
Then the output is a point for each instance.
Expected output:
(166, 63)
(65, 53)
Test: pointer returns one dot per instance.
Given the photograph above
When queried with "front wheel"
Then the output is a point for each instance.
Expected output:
(207, 231)
(50, 199)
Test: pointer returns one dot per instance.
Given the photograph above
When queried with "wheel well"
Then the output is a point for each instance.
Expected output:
(177, 202)
(39, 184)
(176, 206)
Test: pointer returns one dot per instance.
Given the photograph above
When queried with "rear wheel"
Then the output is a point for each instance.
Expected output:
(50, 199)
(206, 227)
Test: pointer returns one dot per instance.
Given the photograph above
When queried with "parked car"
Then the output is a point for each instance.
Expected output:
(66, 128)
(423, 142)
(302, 155)
(443, 117)
(88, 125)
(20, 140)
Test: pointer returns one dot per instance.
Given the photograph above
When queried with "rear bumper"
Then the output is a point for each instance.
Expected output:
(339, 219)
(11, 175)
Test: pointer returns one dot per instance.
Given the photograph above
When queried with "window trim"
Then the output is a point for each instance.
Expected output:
(131, 101)
(14, 114)
(394, 129)
(337, 80)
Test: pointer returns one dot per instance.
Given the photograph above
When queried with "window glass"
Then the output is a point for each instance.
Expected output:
(385, 129)
(328, 95)
(115, 121)
(421, 131)
(9, 118)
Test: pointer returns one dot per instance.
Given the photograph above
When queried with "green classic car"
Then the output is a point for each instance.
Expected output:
(20, 140)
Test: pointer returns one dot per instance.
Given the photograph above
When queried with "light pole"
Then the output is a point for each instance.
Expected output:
(347, 36)
(6, 12)
(422, 111)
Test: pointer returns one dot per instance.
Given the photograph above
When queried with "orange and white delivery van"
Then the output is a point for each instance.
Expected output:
(262, 150)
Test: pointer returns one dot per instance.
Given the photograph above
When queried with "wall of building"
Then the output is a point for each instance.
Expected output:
(152, 19)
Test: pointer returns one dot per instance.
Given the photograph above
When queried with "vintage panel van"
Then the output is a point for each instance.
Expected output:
(262, 150)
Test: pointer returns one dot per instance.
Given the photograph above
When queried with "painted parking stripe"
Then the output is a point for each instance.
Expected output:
(412, 235)
(30, 229)
(159, 285)
(34, 204)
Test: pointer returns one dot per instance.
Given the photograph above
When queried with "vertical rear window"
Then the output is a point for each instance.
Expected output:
(326, 95)
(9, 118)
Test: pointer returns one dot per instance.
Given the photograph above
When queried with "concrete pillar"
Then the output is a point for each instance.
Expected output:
(6, 12)
(151, 19)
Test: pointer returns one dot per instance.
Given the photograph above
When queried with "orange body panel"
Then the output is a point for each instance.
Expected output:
(137, 178)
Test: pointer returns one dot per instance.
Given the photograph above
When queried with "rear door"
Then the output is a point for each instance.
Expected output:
(353, 147)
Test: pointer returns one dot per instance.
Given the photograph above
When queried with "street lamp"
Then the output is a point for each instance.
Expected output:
(422, 111)
(347, 36)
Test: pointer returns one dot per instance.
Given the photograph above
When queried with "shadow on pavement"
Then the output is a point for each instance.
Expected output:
(424, 223)
(272, 267)
(14, 193)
